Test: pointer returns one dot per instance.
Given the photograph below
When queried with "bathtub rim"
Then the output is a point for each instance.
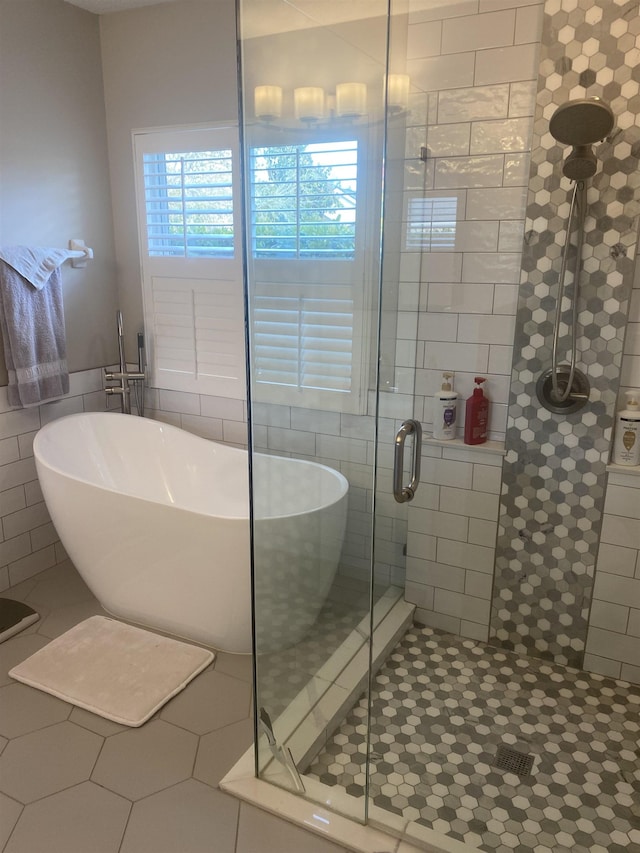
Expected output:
(41, 459)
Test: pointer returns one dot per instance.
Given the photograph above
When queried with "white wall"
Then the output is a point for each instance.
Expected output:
(53, 186)
(163, 65)
(54, 181)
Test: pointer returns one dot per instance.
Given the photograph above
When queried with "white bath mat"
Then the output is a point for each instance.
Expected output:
(112, 669)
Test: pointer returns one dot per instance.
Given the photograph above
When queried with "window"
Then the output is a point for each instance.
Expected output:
(307, 282)
(189, 203)
(303, 200)
(306, 257)
(187, 186)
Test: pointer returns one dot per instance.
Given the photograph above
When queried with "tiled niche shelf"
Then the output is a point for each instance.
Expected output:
(634, 470)
(496, 448)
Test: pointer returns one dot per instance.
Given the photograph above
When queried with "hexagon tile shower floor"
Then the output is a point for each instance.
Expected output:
(449, 714)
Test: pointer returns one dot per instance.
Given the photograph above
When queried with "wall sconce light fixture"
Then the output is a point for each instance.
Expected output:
(311, 104)
(308, 103)
(267, 102)
(351, 100)
(398, 92)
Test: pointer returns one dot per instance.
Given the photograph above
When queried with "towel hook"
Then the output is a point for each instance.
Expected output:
(79, 253)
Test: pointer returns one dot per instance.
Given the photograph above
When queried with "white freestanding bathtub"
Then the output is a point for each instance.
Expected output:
(156, 520)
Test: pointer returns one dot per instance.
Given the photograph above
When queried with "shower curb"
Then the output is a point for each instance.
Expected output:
(322, 809)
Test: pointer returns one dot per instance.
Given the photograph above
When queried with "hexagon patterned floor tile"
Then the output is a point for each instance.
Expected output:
(211, 701)
(139, 762)
(9, 814)
(218, 749)
(71, 754)
(73, 782)
(83, 818)
(25, 710)
(21, 647)
(190, 817)
(496, 750)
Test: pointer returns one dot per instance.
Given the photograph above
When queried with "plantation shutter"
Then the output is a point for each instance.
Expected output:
(303, 336)
(187, 185)
(189, 203)
(307, 294)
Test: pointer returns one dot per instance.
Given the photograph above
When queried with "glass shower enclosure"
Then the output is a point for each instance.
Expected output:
(515, 550)
(325, 95)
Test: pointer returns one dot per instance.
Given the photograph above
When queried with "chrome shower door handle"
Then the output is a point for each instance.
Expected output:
(405, 493)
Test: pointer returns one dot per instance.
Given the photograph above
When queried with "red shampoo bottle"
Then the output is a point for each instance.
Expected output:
(476, 418)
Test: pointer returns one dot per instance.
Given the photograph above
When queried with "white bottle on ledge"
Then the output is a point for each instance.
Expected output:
(445, 407)
(626, 445)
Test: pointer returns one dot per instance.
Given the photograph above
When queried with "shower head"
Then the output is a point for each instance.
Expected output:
(580, 164)
(580, 123)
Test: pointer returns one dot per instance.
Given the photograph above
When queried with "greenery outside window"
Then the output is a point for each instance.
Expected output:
(307, 257)
(303, 200)
(189, 203)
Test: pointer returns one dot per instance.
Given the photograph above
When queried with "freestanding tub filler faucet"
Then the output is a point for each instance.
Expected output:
(124, 377)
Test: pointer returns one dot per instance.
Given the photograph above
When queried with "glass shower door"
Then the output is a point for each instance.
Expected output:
(322, 314)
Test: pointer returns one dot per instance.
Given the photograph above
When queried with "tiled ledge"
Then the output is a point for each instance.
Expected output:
(496, 448)
(631, 470)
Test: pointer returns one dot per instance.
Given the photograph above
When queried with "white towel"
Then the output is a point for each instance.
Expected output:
(32, 324)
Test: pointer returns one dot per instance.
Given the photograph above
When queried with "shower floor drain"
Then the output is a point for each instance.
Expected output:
(512, 761)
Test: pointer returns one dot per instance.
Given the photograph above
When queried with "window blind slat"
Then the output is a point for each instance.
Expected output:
(303, 342)
(189, 204)
(311, 187)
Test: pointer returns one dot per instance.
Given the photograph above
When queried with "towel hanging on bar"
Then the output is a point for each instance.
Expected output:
(32, 324)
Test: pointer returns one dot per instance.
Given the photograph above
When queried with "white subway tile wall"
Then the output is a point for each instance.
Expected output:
(451, 540)
(477, 129)
(613, 639)
(28, 541)
(215, 418)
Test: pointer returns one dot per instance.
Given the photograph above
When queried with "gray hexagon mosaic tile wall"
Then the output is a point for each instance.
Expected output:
(555, 467)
